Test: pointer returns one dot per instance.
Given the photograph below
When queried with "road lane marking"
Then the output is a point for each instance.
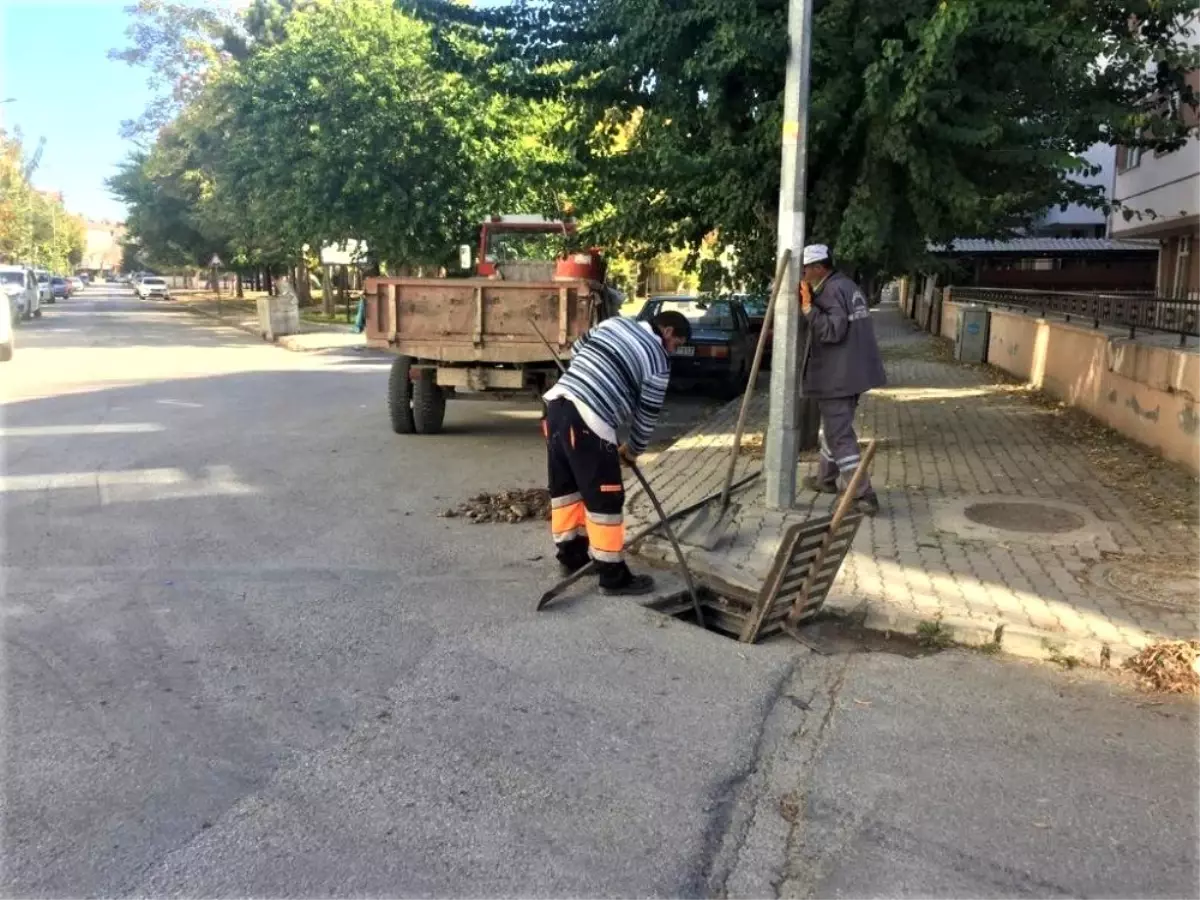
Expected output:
(134, 484)
(77, 430)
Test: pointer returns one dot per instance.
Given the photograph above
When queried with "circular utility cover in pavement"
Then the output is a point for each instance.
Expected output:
(1033, 518)
(1169, 582)
(1011, 519)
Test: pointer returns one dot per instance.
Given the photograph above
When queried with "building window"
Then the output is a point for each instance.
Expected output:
(1183, 250)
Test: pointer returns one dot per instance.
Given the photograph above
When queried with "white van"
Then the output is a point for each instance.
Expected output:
(20, 289)
(20, 286)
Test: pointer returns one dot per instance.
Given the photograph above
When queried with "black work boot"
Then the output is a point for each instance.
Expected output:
(867, 504)
(570, 568)
(573, 555)
(813, 483)
(617, 581)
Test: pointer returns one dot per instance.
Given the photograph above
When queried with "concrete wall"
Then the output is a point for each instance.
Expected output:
(949, 319)
(1149, 393)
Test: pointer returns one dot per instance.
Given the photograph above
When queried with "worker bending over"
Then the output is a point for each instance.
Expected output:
(618, 377)
(841, 364)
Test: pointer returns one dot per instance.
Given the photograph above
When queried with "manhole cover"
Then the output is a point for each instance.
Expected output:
(1032, 518)
(1168, 582)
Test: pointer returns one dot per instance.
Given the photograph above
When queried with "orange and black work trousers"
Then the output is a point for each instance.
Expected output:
(586, 495)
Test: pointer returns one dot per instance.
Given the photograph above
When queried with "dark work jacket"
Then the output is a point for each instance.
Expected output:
(841, 355)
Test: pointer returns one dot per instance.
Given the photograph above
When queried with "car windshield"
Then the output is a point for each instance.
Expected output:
(42, 279)
(154, 282)
(58, 281)
(12, 277)
(714, 315)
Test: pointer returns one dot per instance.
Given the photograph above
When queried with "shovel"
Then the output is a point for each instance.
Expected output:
(709, 525)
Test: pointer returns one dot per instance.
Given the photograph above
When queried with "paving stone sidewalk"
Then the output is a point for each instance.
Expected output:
(1002, 514)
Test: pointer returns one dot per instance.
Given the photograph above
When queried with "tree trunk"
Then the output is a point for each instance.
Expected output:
(268, 282)
(237, 284)
(343, 279)
(303, 285)
(327, 290)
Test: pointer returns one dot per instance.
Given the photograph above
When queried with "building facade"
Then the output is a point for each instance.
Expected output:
(102, 254)
(1165, 189)
(1076, 221)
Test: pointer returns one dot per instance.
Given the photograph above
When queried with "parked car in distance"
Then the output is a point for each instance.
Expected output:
(43, 280)
(59, 289)
(151, 287)
(21, 292)
(6, 331)
(756, 311)
(75, 283)
(721, 348)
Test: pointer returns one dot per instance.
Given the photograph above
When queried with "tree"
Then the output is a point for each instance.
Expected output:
(35, 226)
(345, 129)
(928, 120)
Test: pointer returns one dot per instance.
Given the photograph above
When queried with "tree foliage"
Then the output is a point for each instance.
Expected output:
(319, 121)
(35, 227)
(928, 119)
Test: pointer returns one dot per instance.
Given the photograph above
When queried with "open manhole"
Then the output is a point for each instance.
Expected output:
(1031, 518)
(1171, 583)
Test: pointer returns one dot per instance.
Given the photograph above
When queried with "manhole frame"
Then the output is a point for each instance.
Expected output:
(1094, 575)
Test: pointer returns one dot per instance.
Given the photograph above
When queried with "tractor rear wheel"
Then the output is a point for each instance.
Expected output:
(428, 403)
(400, 395)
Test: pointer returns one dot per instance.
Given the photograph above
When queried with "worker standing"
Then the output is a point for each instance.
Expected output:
(618, 377)
(841, 364)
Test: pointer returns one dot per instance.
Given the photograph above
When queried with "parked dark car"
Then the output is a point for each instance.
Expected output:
(720, 350)
(59, 289)
(756, 311)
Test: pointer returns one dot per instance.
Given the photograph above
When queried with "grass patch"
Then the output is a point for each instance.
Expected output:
(933, 635)
(317, 317)
(1056, 655)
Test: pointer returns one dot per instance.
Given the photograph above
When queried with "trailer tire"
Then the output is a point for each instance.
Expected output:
(400, 393)
(428, 403)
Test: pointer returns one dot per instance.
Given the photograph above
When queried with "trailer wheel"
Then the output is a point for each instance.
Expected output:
(400, 392)
(429, 403)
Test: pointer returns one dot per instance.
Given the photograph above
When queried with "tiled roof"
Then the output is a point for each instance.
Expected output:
(1045, 245)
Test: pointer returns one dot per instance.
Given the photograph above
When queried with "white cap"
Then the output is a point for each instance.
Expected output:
(815, 253)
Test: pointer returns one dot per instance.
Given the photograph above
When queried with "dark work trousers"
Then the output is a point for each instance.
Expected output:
(839, 444)
(587, 496)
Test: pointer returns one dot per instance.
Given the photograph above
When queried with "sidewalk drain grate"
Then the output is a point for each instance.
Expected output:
(1031, 518)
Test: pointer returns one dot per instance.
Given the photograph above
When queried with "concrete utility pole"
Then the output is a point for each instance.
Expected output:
(783, 424)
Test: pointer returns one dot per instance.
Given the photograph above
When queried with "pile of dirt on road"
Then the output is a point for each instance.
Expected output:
(517, 505)
(1172, 667)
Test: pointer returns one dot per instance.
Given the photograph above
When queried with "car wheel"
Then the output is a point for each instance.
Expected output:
(6, 352)
(37, 313)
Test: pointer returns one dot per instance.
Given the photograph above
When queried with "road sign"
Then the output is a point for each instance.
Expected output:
(215, 261)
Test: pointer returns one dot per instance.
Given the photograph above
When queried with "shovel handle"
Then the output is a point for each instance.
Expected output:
(781, 268)
(670, 532)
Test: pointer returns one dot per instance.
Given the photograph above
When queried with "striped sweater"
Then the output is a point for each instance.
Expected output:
(619, 370)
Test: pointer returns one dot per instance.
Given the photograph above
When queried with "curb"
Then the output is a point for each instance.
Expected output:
(1009, 638)
(286, 341)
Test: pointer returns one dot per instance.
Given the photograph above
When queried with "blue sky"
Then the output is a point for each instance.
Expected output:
(53, 60)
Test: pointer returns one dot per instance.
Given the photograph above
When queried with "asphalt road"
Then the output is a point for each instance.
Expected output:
(244, 657)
